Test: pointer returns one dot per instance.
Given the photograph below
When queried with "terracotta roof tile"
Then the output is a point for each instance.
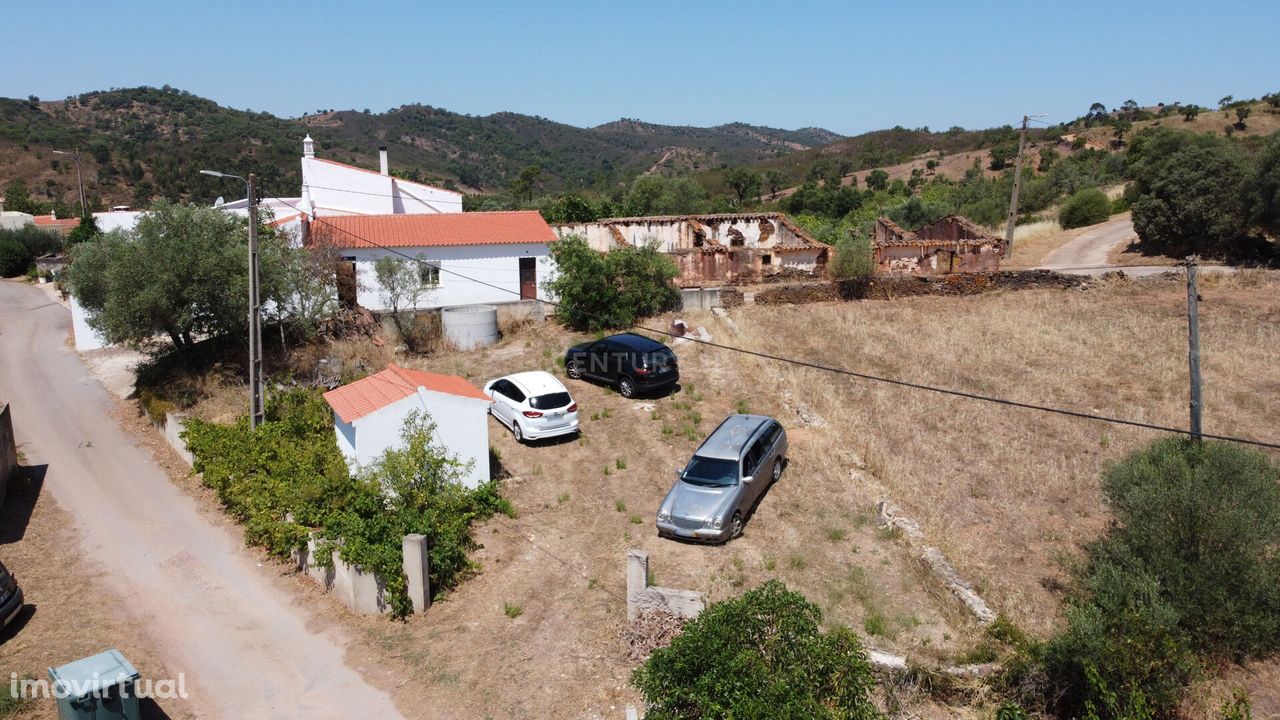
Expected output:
(362, 397)
(443, 229)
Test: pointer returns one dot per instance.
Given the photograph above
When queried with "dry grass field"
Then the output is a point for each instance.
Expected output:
(1009, 495)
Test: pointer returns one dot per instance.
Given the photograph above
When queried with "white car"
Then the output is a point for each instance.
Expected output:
(533, 405)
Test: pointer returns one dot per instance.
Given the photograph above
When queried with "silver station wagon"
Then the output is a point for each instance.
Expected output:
(717, 491)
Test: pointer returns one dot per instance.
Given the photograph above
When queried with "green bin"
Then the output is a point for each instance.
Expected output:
(99, 687)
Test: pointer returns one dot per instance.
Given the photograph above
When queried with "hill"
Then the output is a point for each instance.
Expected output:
(141, 143)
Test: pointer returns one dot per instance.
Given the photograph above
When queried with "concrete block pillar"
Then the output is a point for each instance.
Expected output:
(417, 571)
(637, 579)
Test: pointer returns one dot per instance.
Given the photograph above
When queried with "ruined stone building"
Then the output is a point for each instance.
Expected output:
(950, 245)
(729, 248)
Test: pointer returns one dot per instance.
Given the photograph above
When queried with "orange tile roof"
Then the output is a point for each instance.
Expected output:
(443, 229)
(50, 220)
(362, 397)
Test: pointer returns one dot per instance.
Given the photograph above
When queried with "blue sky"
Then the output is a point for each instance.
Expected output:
(846, 66)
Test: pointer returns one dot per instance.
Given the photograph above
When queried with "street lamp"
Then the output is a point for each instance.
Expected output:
(79, 178)
(255, 324)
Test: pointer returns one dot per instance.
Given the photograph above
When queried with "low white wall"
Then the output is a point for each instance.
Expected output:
(174, 424)
(86, 337)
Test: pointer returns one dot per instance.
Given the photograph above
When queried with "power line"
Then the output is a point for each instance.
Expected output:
(836, 370)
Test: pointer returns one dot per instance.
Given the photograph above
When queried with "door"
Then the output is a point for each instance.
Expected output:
(752, 467)
(528, 278)
(597, 361)
(346, 282)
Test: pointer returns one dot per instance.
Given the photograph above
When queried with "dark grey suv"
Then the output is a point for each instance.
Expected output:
(728, 474)
(10, 596)
(632, 363)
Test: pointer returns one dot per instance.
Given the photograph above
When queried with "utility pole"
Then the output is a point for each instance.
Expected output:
(256, 411)
(1017, 185)
(255, 301)
(1193, 347)
(79, 178)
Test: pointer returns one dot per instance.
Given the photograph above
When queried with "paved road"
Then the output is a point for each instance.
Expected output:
(1087, 253)
(242, 641)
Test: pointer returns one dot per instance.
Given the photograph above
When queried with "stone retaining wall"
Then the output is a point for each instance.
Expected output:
(888, 287)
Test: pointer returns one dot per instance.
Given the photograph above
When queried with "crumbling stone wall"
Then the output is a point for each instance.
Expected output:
(888, 287)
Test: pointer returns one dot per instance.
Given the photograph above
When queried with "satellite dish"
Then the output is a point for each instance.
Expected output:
(219, 202)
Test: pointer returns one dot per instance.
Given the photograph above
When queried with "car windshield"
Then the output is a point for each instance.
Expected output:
(711, 471)
(550, 401)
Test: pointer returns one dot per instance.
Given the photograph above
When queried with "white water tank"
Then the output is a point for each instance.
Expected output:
(470, 326)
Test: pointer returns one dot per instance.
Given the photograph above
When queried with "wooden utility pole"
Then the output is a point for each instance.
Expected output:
(256, 412)
(1017, 185)
(1193, 347)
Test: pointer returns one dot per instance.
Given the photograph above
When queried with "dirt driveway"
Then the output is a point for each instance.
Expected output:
(247, 647)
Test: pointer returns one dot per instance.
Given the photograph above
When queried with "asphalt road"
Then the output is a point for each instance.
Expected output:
(1087, 253)
(242, 641)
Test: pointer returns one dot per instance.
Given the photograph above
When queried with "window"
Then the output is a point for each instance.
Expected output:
(766, 259)
(429, 274)
(752, 461)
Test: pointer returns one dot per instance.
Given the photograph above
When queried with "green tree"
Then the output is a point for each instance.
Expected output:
(1264, 200)
(1120, 128)
(182, 272)
(526, 183)
(1225, 101)
(877, 179)
(86, 230)
(744, 183)
(1048, 156)
(1190, 191)
(658, 195)
(1002, 154)
(762, 654)
(774, 180)
(1087, 207)
(852, 257)
(20, 247)
(1242, 112)
(1190, 112)
(599, 291)
(402, 283)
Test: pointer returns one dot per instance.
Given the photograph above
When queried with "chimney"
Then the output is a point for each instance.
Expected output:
(382, 159)
(308, 147)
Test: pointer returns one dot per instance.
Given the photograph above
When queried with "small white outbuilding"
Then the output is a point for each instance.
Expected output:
(369, 414)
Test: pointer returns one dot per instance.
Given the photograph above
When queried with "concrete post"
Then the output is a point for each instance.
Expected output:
(416, 571)
(637, 579)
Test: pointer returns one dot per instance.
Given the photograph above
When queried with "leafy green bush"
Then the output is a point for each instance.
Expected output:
(14, 258)
(599, 291)
(289, 478)
(1203, 519)
(1189, 570)
(1087, 207)
(761, 654)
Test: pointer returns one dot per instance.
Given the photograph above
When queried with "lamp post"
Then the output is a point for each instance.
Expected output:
(255, 324)
(79, 177)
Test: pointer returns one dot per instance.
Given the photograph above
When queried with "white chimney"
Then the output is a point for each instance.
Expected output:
(308, 147)
(382, 160)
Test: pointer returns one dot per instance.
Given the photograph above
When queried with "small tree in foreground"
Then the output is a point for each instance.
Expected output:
(599, 291)
(1087, 207)
(761, 654)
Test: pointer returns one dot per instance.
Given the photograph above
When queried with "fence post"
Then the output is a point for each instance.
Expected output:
(637, 578)
(417, 571)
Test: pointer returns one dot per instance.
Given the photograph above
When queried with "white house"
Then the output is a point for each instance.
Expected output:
(369, 414)
(467, 258)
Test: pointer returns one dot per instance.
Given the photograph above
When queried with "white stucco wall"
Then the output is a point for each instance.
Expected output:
(497, 265)
(86, 337)
(462, 428)
(347, 190)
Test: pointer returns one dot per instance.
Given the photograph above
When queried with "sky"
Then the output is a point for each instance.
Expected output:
(845, 66)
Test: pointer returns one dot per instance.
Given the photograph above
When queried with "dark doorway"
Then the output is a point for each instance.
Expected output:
(346, 282)
(528, 278)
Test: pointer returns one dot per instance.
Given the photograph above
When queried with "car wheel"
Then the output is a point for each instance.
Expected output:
(516, 432)
(572, 370)
(735, 528)
(626, 388)
(777, 469)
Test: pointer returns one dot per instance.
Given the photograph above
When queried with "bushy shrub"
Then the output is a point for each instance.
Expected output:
(14, 258)
(599, 291)
(288, 478)
(1087, 207)
(1189, 570)
(761, 654)
(1204, 520)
